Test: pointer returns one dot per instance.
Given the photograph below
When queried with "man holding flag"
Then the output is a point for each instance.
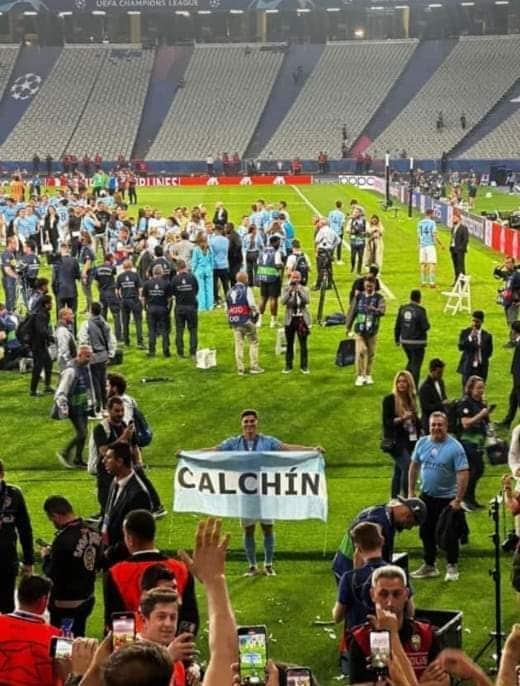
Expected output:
(252, 441)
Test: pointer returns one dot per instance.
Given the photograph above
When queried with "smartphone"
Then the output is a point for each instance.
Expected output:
(298, 676)
(379, 650)
(252, 655)
(60, 647)
(186, 627)
(123, 629)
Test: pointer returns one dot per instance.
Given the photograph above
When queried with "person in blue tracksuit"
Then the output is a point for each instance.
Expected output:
(202, 266)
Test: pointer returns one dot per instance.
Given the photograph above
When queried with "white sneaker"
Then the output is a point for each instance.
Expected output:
(340, 262)
(425, 572)
(369, 380)
(259, 321)
(452, 573)
(252, 571)
(360, 381)
(256, 370)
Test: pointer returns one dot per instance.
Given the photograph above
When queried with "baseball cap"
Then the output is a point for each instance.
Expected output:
(416, 506)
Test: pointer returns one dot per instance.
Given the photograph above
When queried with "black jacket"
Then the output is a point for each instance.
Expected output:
(73, 562)
(66, 274)
(14, 523)
(460, 242)
(451, 524)
(515, 363)
(185, 288)
(39, 329)
(397, 432)
(411, 325)
(220, 217)
(135, 496)
(469, 350)
(430, 400)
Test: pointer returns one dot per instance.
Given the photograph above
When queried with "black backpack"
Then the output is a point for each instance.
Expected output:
(302, 266)
(346, 353)
(24, 329)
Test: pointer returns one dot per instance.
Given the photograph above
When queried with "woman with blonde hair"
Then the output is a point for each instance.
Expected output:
(401, 429)
(374, 246)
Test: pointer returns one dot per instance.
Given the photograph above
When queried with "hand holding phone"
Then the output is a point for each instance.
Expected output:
(298, 676)
(60, 648)
(123, 629)
(380, 651)
(252, 655)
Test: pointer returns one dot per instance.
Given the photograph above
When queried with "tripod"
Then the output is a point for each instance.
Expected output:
(326, 281)
(496, 636)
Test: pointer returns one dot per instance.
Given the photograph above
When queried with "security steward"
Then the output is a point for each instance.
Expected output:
(162, 261)
(14, 523)
(390, 594)
(122, 584)
(105, 276)
(9, 276)
(156, 296)
(128, 290)
(71, 563)
(411, 331)
(185, 288)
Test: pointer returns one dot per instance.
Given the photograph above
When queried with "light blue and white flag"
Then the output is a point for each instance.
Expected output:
(252, 485)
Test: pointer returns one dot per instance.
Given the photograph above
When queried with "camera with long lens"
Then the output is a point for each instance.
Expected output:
(324, 259)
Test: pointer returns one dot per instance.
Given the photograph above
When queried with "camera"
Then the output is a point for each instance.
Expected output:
(324, 258)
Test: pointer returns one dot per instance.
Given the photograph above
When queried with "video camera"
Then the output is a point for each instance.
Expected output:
(324, 258)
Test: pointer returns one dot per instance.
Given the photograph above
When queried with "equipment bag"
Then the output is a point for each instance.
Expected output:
(346, 353)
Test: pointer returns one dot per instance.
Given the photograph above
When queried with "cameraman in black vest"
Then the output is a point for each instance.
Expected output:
(411, 330)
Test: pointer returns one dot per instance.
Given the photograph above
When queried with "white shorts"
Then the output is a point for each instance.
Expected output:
(251, 522)
(428, 255)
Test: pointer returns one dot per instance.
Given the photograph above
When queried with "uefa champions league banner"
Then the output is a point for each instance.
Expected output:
(252, 485)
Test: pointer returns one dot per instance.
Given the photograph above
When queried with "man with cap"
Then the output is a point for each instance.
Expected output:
(441, 462)
(476, 346)
(400, 513)
(432, 393)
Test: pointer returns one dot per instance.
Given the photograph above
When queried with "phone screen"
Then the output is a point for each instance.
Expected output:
(252, 648)
(298, 677)
(379, 649)
(61, 647)
(123, 630)
(186, 627)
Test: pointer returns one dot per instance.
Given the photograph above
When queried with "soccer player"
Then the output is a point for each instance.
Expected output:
(427, 237)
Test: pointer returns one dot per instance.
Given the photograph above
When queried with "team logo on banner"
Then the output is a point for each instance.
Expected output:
(26, 86)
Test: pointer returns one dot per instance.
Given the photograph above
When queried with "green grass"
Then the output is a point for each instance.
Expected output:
(201, 407)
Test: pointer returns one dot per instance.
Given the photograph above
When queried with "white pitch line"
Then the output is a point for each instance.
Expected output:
(309, 204)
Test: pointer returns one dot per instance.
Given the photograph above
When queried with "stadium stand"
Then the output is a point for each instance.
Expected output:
(53, 115)
(111, 117)
(8, 55)
(346, 87)
(503, 142)
(218, 108)
(474, 76)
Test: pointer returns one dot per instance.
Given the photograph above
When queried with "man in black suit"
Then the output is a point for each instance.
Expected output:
(127, 493)
(476, 346)
(458, 245)
(514, 396)
(221, 215)
(411, 331)
(432, 393)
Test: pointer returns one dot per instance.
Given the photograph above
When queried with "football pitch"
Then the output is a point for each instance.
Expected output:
(199, 408)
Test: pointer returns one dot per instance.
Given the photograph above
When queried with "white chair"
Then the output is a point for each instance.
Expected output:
(459, 298)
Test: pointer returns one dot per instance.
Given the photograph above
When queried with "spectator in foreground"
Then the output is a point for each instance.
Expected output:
(441, 462)
(401, 429)
(14, 523)
(25, 637)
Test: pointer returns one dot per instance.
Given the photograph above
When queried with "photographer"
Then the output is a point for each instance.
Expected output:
(367, 311)
(242, 316)
(297, 321)
(473, 414)
(357, 230)
(326, 240)
(509, 295)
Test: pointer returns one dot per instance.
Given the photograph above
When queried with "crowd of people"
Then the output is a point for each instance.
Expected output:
(171, 269)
